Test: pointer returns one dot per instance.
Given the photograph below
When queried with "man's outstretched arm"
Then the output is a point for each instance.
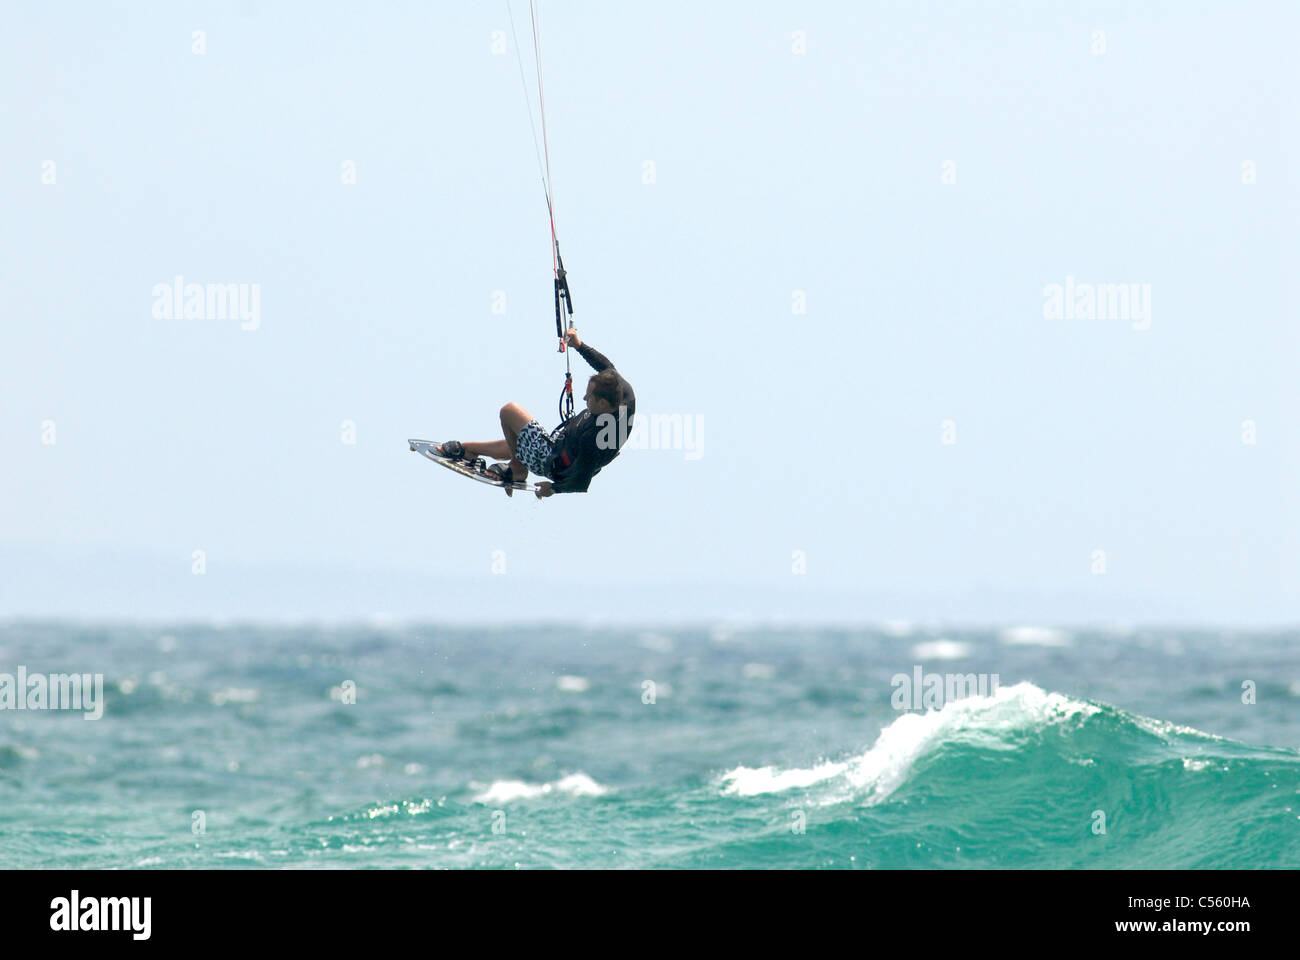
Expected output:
(593, 356)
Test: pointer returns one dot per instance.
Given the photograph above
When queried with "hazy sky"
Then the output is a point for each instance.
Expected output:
(912, 183)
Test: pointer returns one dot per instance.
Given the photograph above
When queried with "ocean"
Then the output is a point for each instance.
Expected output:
(728, 746)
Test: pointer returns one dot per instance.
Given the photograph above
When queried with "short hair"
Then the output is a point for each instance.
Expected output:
(608, 386)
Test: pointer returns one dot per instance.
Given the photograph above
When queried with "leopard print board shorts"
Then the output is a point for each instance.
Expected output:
(535, 449)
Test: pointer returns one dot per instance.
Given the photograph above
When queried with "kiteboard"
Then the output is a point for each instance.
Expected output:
(475, 469)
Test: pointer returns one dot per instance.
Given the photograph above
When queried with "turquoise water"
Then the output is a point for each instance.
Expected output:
(540, 748)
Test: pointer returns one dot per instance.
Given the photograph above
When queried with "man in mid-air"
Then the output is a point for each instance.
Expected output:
(575, 451)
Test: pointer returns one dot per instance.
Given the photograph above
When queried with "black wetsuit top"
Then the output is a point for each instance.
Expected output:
(579, 456)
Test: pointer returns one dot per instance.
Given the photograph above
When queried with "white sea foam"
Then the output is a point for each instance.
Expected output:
(941, 650)
(657, 642)
(230, 695)
(1035, 637)
(1167, 729)
(882, 769)
(574, 785)
(572, 684)
(747, 781)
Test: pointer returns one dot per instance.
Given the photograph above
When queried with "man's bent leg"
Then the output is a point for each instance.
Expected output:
(513, 419)
(496, 449)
